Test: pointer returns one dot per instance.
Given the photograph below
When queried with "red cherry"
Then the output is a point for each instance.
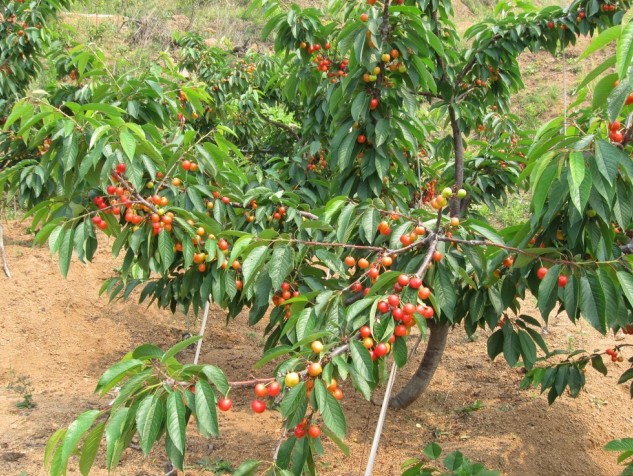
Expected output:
(562, 280)
(258, 406)
(428, 312)
(404, 280)
(120, 168)
(225, 404)
(373, 104)
(274, 389)
(400, 330)
(415, 283)
(365, 332)
(381, 350)
(314, 431)
(542, 271)
(300, 431)
(383, 306)
(394, 300)
(397, 313)
(409, 308)
(261, 390)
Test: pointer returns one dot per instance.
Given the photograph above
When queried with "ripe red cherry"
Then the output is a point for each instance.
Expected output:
(428, 312)
(373, 273)
(365, 332)
(400, 330)
(225, 404)
(542, 271)
(258, 406)
(562, 280)
(300, 431)
(383, 306)
(404, 280)
(120, 168)
(314, 431)
(409, 308)
(381, 350)
(437, 256)
(415, 283)
(394, 300)
(261, 390)
(361, 139)
(397, 313)
(274, 389)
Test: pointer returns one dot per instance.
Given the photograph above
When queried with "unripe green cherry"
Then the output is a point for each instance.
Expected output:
(461, 193)
(447, 192)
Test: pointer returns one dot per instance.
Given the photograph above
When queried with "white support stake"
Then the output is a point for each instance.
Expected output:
(381, 421)
(202, 329)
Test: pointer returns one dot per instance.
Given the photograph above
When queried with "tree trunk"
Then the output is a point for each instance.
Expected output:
(438, 334)
(457, 206)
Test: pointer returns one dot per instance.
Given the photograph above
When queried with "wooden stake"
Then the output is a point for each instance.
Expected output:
(5, 264)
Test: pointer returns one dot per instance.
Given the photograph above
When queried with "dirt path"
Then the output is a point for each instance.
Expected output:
(59, 334)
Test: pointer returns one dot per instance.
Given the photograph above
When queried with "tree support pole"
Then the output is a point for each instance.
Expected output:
(5, 264)
(203, 328)
(381, 421)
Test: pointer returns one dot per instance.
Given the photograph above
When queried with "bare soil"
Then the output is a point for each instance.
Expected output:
(60, 335)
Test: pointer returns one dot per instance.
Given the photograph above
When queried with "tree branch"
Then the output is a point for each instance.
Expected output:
(281, 125)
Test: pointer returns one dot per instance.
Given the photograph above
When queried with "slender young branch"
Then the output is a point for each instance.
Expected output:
(283, 126)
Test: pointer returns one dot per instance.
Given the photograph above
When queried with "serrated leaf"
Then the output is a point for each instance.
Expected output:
(180, 346)
(74, 433)
(361, 359)
(128, 144)
(216, 377)
(149, 421)
(114, 374)
(176, 420)
(90, 448)
(206, 413)
(281, 263)
(330, 410)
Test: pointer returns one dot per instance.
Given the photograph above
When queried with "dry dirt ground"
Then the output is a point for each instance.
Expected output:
(59, 334)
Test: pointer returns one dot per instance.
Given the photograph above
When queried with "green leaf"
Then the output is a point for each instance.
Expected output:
(593, 302)
(149, 421)
(114, 374)
(433, 451)
(628, 375)
(247, 468)
(548, 291)
(272, 354)
(176, 420)
(216, 377)
(330, 410)
(626, 281)
(332, 261)
(528, 349)
(598, 364)
(381, 131)
(206, 413)
(624, 50)
(369, 222)
(128, 143)
(113, 432)
(361, 360)
(400, 354)
(182, 345)
(90, 448)
(495, 344)
(253, 263)
(166, 250)
(281, 263)
(511, 345)
(65, 250)
(624, 444)
(337, 441)
(604, 38)
(52, 444)
(75, 431)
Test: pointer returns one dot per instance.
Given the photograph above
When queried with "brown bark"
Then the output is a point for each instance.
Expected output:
(438, 335)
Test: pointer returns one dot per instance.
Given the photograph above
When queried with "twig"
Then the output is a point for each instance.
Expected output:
(281, 125)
